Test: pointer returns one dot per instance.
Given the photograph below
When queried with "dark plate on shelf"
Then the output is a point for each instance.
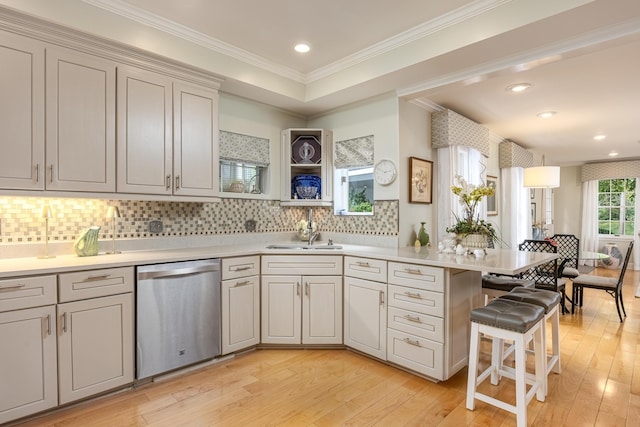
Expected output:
(306, 149)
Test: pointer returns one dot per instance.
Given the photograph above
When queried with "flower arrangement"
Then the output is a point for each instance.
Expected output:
(469, 197)
(303, 229)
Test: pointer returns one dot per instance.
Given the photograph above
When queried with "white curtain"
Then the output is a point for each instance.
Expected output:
(516, 207)
(452, 161)
(636, 238)
(589, 232)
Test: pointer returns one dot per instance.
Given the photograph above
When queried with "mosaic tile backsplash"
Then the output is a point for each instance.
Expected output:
(20, 221)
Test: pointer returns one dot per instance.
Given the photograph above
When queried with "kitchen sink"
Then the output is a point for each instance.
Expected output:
(304, 246)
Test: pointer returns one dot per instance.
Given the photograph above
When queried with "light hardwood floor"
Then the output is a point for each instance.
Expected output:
(599, 385)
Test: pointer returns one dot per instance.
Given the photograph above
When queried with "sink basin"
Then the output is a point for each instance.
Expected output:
(305, 247)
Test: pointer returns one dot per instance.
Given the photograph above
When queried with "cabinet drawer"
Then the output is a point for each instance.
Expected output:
(426, 302)
(302, 264)
(27, 292)
(414, 323)
(95, 283)
(366, 268)
(417, 276)
(419, 354)
(245, 266)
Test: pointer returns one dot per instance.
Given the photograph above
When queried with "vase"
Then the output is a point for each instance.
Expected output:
(87, 242)
(423, 236)
(474, 241)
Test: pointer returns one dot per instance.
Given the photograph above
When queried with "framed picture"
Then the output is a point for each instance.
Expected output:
(420, 180)
(532, 193)
(492, 201)
(533, 213)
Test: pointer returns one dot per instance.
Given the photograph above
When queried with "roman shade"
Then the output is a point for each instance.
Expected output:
(353, 153)
(240, 148)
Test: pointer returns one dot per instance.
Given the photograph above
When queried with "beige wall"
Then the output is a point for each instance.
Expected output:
(567, 200)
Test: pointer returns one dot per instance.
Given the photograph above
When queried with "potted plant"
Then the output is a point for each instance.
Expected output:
(470, 229)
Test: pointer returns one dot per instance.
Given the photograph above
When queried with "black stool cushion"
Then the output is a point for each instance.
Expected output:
(543, 298)
(508, 314)
(506, 284)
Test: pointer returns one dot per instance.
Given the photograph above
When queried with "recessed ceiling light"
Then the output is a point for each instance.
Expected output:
(546, 114)
(613, 154)
(518, 87)
(302, 48)
(599, 137)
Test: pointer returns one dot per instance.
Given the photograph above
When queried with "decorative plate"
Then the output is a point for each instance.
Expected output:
(306, 150)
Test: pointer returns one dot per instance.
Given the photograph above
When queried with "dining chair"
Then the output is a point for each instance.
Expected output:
(545, 275)
(568, 250)
(611, 285)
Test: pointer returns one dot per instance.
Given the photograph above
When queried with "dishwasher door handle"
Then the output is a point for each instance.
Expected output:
(177, 272)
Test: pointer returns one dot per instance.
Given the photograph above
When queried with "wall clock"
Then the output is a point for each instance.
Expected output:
(385, 172)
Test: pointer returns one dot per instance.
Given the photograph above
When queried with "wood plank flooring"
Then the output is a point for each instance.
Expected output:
(599, 386)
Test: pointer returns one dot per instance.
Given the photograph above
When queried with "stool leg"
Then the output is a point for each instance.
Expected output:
(540, 364)
(520, 382)
(497, 351)
(555, 340)
(474, 354)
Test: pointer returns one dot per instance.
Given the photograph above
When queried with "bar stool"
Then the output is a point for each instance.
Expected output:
(549, 301)
(496, 286)
(520, 322)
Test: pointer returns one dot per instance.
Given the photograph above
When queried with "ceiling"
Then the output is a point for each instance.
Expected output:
(581, 57)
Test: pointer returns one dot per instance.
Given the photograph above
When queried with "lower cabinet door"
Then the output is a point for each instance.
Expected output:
(365, 316)
(28, 368)
(322, 310)
(416, 353)
(95, 346)
(281, 309)
(240, 313)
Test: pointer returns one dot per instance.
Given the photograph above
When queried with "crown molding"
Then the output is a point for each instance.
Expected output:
(433, 26)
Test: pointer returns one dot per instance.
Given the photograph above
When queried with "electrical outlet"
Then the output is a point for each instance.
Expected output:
(250, 225)
(156, 226)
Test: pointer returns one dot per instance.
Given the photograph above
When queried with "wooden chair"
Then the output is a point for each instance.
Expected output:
(568, 250)
(611, 285)
(545, 276)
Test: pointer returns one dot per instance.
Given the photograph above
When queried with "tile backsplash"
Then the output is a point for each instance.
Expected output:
(21, 222)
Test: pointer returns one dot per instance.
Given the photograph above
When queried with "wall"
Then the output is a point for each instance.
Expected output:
(567, 202)
(415, 141)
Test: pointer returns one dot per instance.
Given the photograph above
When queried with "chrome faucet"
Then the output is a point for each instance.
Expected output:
(312, 234)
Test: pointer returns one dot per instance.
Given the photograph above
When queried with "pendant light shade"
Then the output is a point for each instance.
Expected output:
(542, 177)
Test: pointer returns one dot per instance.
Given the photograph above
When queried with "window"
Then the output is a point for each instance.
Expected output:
(354, 191)
(236, 177)
(616, 206)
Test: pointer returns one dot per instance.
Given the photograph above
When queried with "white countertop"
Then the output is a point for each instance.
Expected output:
(501, 261)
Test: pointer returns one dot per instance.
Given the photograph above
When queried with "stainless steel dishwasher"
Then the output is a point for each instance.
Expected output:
(177, 314)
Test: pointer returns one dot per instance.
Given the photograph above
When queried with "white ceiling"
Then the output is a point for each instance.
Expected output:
(581, 56)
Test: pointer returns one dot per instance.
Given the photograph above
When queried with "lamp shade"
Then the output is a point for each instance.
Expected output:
(46, 211)
(542, 177)
(113, 212)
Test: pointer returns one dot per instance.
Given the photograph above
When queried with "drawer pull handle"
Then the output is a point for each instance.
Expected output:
(298, 288)
(411, 318)
(241, 268)
(100, 277)
(63, 321)
(307, 289)
(177, 182)
(246, 282)
(363, 264)
(168, 182)
(8, 287)
(412, 342)
(37, 172)
(51, 172)
(413, 271)
(413, 295)
(381, 297)
(46, 325)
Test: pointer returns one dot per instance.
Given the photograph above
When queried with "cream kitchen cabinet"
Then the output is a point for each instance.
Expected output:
(365, 311)
(240, 303)
(28, 369)
(167, 136)
(21, 113)
(302, 308)
(95, 332)
(307, 152)
(80, 129)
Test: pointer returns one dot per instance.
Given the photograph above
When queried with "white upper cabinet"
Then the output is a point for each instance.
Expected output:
(21, 113)
(80, 127)
(144, 132)
(195, 140)
(167, 136)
